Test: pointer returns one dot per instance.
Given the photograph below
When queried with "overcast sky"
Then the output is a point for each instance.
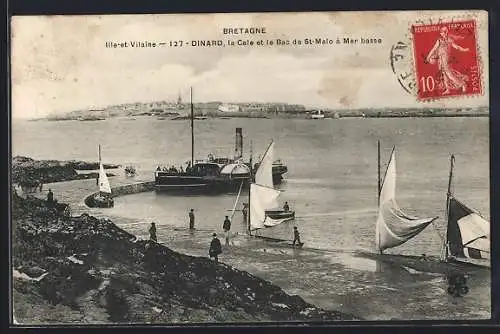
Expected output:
(61, 64)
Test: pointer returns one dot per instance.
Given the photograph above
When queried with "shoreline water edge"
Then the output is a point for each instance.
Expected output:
(82, 269)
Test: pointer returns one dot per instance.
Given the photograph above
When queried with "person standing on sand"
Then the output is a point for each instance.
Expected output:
(191, 219)
(286, 207)
(215, 248)
(296, 237)
(152, 232)
(226, 226)
(244, 211)
(50, 197)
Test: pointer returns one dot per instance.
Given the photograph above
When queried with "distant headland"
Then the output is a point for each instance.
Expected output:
(216, 109)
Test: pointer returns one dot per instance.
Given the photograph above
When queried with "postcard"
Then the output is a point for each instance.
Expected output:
(250, 168)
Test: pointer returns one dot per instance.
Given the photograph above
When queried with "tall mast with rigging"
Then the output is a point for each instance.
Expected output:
(448, 195)
(250, 180)
(192, 127)
(99, 162)
(378, 174)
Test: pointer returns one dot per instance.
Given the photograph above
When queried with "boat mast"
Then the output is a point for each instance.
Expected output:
(192, 128)
(448, 195)
(250, 180)
(378, 175)
(98, 175)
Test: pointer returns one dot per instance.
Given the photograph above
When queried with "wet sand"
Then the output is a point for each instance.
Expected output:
(334, 279)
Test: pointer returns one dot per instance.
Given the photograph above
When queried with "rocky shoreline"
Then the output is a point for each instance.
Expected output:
(27, 170)
(87, 270)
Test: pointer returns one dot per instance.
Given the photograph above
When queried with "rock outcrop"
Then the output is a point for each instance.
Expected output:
(87, 270)
(26, 170)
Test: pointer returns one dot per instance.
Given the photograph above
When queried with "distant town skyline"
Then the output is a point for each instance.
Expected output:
(62, 63)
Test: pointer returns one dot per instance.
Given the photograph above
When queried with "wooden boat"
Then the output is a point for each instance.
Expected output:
(104, 198)
(215, 174)
(263, 197)
(465, 247)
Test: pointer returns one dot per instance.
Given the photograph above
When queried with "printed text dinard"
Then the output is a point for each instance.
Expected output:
(314, 41)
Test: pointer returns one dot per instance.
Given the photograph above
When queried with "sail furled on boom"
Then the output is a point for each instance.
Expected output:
(103, 181)
(468, 234)
(394, 227)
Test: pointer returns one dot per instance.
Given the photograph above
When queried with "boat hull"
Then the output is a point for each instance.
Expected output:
(280, 214)
(185, 183)
(428, 264)
(99, 202)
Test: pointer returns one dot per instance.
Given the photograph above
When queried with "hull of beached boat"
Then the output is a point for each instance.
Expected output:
(280, 214)
(429, 264)
(99, 202)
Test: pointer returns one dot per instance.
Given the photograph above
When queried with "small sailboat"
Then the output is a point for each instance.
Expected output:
(264, 198)
(394, 227)
(467, 234)
(103, 199)
(465, 246)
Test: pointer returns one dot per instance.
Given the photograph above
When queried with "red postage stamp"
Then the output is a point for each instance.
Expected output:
(446, 59)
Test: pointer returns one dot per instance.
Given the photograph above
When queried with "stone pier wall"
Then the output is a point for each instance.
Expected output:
(125, 190)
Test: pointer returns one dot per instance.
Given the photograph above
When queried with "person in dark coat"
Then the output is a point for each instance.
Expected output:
(152, 232)
(226, 226)
(191, 219)
(296, 237)
(286, 207)
(50, 197)
(244, 211)
(215, 248)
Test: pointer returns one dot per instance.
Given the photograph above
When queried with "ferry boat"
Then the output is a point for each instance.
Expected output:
(214, 174)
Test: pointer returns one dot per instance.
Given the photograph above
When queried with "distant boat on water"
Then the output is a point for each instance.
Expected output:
(91, 118)
(317, 114)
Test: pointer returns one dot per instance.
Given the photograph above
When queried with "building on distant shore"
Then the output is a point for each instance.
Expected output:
(228, 108)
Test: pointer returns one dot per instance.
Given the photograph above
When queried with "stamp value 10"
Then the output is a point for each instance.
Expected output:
(446, 60)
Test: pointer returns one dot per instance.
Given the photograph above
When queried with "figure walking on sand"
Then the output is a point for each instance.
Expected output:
(450, 78)
(152, 232)
(296, 237)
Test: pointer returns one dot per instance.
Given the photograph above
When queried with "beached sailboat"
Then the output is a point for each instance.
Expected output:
(465, 246)
(263, 197)
(394, 227)
(467, 234)
(104, 198)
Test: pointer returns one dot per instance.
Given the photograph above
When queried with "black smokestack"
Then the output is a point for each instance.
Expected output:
(238, 148)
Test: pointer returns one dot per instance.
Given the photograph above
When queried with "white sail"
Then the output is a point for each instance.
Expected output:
(261, 199)
(394, 227)
(264, 174)
(103, 181)
(468, 234)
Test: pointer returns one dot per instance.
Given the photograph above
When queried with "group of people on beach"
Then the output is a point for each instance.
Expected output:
(215, 245)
